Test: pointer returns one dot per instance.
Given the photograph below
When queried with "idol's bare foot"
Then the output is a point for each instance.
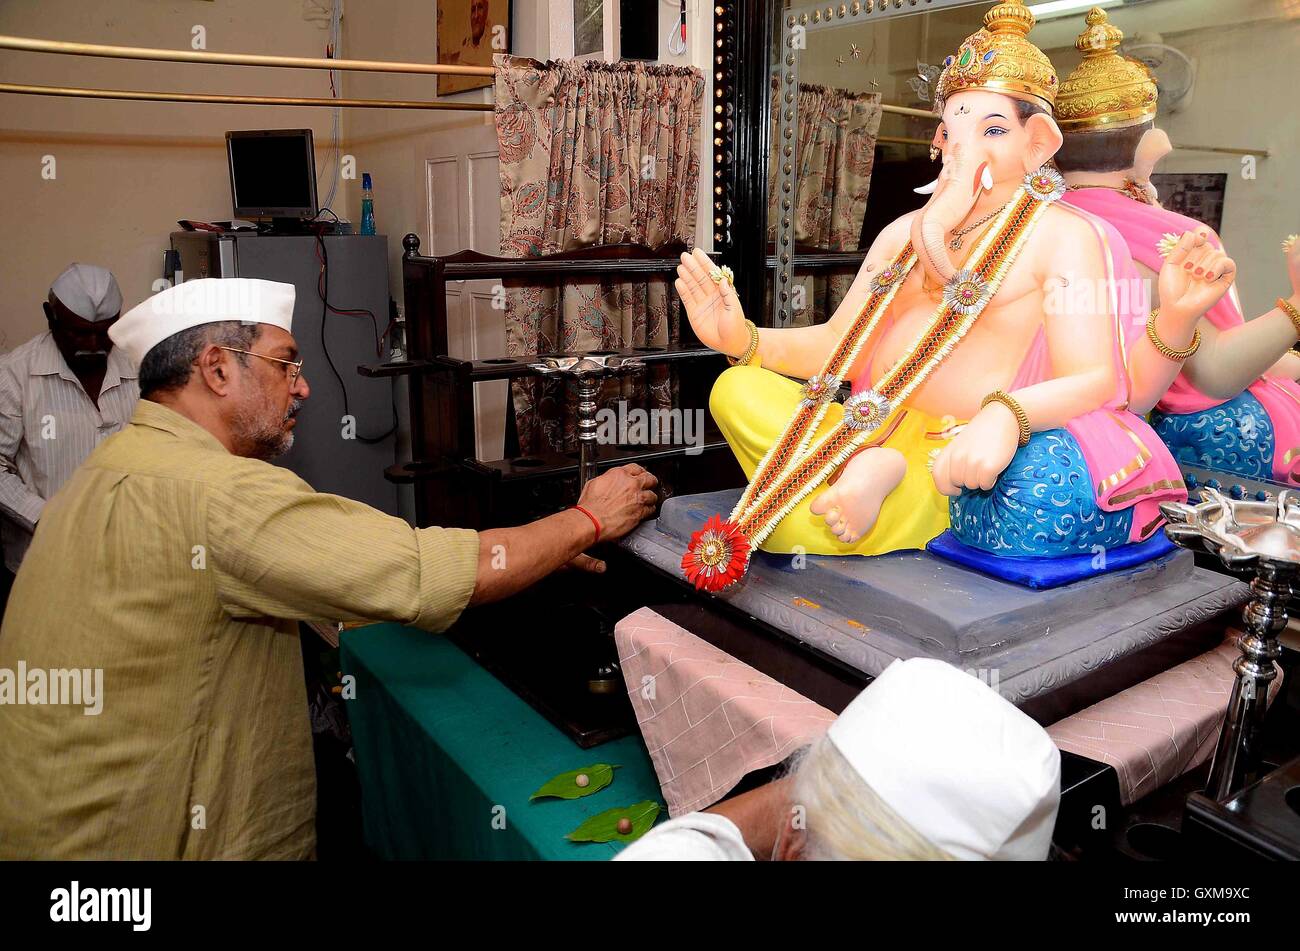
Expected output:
(852, 505)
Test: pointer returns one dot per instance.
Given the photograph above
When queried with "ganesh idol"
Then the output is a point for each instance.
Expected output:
(1224, 388)
(978, 400)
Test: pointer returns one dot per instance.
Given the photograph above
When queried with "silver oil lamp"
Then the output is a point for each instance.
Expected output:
(1262, 540)
(588, 370)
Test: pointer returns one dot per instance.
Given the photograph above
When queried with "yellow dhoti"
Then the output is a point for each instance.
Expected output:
(752, 407)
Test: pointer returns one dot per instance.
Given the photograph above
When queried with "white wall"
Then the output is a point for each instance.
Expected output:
(127, 170)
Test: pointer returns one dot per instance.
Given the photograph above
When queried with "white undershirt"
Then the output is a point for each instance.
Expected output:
(694, 837)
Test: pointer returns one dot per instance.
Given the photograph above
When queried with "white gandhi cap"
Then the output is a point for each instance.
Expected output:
(89, 291)
(958, 762)
(206, 301)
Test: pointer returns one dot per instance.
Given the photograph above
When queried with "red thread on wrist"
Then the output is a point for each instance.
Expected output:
(594, 520)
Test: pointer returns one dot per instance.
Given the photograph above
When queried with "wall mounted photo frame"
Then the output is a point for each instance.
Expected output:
(1197, 195)
(469, 32)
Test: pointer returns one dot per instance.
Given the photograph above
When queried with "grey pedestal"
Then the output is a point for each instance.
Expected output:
(868, 611)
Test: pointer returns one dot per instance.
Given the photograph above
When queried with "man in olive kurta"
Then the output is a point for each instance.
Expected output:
(177, 561)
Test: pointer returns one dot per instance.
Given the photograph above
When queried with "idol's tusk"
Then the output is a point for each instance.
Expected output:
(986, 179)
(927, 189)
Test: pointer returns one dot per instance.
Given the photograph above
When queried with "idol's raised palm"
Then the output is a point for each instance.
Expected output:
(1193, 278)
(712, 307)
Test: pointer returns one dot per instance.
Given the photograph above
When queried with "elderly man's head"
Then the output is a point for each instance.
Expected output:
(836, 816)
(926, 763)
(221, 352)
(246, 371)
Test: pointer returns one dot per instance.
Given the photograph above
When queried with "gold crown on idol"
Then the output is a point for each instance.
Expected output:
(1107, 90)
(999, 58)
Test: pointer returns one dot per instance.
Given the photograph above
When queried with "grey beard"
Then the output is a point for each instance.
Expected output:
(267, 441)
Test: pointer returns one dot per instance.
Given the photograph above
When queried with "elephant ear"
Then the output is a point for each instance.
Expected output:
(1044, 140)
(1152, 147)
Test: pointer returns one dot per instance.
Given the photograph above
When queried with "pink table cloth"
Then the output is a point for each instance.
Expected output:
(1155, 731)
(707, 718)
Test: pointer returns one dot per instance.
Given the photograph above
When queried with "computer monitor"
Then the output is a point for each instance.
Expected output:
(272, 173)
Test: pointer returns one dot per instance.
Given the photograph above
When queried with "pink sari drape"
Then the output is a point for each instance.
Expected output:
(1141, 227)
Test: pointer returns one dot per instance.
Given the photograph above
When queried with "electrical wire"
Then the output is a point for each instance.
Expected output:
(677, 35)
(322, 289)
(332, 50)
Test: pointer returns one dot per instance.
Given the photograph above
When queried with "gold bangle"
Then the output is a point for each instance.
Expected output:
(1290, 310)
(1010, 402)
(751, 351)
(1163, 348)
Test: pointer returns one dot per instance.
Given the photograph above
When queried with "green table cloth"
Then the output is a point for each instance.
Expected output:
(448, 757)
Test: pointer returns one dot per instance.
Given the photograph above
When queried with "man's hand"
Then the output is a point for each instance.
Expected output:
(978, 454)
(620, 499)
(713, 309)
(1192, 280)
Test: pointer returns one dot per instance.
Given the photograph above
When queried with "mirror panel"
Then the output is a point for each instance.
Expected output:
(851, 125)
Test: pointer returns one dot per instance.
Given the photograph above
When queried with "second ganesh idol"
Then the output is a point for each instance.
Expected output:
(1224, 388)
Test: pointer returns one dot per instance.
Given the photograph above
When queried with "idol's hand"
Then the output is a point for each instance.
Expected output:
(1192, 280)
(980, 452)
(620, 499)
(712, 308)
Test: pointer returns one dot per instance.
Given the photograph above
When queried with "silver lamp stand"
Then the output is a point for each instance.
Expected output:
(1261, 539)
(589, 370)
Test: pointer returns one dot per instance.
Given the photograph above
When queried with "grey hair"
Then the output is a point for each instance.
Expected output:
(168, 365)
(846, 820)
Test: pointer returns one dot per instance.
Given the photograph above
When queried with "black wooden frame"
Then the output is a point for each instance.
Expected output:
(452, 486)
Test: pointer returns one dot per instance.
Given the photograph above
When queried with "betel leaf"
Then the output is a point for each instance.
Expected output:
(604, 826)
(565, 785)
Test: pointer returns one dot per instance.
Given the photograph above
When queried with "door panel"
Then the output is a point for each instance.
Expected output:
(464, 208)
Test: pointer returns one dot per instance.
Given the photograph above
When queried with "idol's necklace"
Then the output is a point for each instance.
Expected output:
(960, 233)
(1131, 188)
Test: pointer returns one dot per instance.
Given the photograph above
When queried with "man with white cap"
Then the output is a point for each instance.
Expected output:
(191, 559)
(61, 394)
(926, 763)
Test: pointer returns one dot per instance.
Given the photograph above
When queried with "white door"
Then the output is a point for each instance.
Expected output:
(463, 189)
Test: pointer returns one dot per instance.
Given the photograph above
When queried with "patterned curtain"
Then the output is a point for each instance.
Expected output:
(593, 153)
(836, 147)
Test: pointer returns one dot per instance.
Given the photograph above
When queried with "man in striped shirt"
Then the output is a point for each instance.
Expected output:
(62, 393)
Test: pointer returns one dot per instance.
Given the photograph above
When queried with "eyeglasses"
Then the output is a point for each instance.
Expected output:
(293, 373)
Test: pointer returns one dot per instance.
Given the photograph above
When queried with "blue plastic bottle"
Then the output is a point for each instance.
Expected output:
(367, 205)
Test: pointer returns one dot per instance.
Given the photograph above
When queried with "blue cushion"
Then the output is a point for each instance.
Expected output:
(1042, 506)
(1236, 436)
(1041, 572)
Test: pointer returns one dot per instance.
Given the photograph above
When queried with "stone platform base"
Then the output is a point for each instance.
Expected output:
(865, 612)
